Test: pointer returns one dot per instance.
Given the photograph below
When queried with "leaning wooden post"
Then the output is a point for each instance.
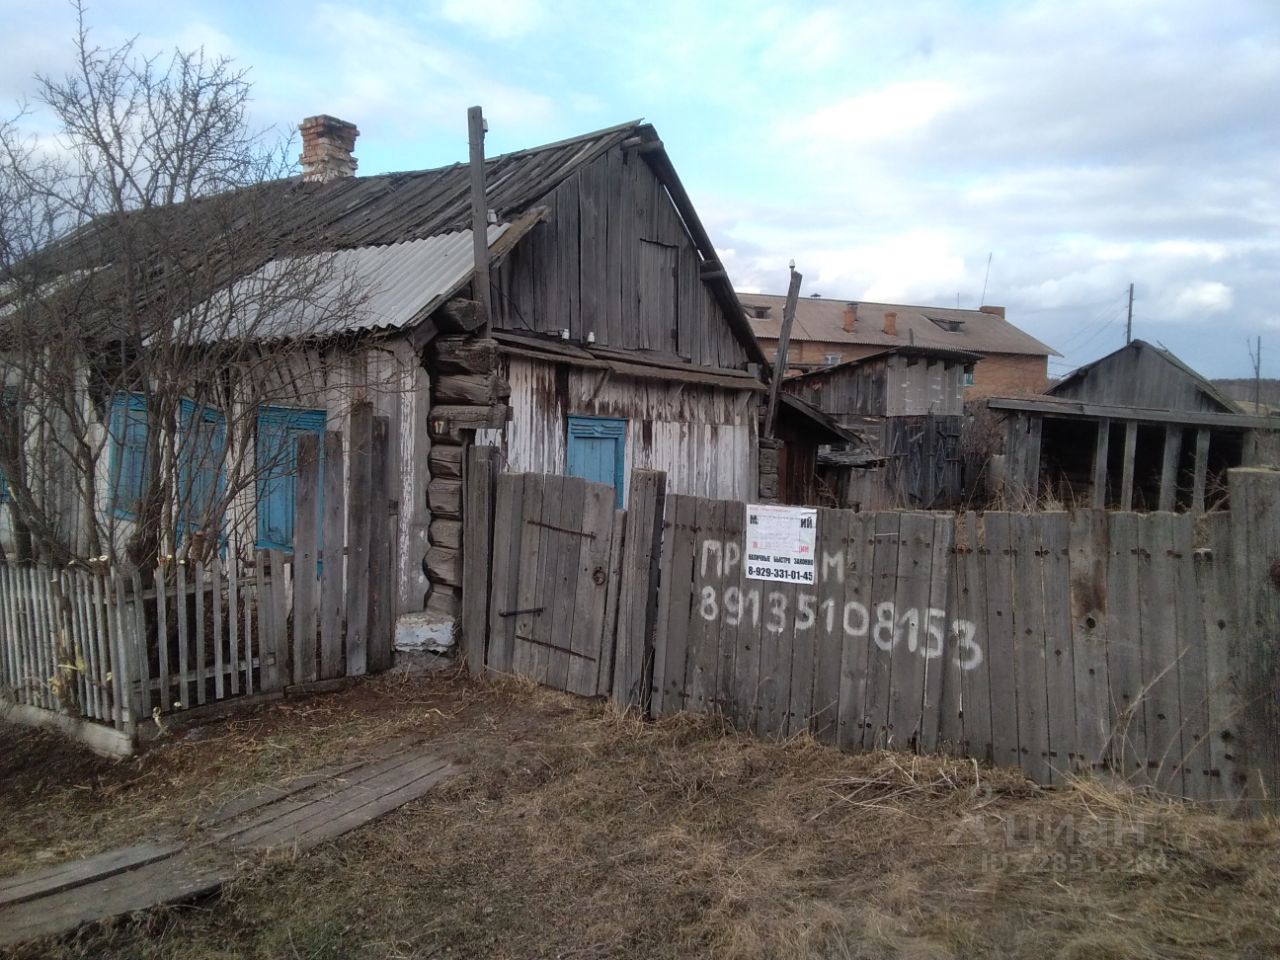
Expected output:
(476, 129)
(638, 598)
(479, 482)
(1255, 548)
(784, 340)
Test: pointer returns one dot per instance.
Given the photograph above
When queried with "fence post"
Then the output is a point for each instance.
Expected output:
(479, 482)
(382, 575)
(360, 479)
(305, 550)
(638, 599)
(1255, 536)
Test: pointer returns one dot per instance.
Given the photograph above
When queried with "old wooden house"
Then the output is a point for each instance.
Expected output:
(1136, 429)
(905, 406)
(616, 342)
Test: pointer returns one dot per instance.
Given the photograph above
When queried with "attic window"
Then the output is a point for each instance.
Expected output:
(758, 312)
(944, 323)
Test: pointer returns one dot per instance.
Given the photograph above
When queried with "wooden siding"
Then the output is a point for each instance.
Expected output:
(886, 386)
(613, 259)
(702, 437)
(1138, 377)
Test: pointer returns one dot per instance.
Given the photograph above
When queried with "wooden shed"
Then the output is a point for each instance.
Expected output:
(905, 406)
(1136, 429)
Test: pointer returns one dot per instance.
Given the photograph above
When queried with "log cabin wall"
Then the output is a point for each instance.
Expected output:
(613, 259)
(704, 438)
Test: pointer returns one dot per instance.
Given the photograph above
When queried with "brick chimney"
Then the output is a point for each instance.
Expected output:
(994, 311)
(850, 318)
(891, 323)
(327, 143)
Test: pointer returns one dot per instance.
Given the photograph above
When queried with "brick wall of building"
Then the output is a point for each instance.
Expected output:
(995, 374)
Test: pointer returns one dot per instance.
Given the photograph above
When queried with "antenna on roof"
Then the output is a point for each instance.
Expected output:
(984, 282)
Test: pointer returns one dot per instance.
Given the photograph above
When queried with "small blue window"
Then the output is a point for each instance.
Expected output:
(277, 465)
(129, 462)
(201, 451)
(598, 451)
(968, 378)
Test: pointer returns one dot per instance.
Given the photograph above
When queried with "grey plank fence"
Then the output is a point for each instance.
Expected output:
(117, 647)
(1142, 646)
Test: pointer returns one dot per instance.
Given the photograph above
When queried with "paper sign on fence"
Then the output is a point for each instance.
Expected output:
(780, 543)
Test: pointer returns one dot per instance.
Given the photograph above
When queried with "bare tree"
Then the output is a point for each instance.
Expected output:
(150, 303)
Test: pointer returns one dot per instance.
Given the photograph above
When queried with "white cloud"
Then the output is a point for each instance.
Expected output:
(1198, 299)
(501, 19)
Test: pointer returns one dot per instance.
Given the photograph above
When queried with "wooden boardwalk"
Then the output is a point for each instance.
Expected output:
(296, 817)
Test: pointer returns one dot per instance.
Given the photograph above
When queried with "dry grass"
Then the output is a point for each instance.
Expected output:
(576, 832)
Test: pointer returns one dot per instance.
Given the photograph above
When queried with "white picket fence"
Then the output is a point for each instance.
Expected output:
(98, 645)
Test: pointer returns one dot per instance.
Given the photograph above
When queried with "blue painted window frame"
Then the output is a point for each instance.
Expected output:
(278, 471)
(601, 428)
(128, 427)
(200, 479)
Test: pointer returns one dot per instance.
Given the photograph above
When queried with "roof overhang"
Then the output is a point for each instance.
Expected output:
(1074, 409)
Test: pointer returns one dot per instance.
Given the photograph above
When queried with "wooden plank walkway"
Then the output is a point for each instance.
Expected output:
(297, 816)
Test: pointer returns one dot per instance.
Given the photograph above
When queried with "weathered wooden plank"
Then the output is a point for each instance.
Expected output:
(1255, 533)
(445, 461)
(562, 569)
(1087, 556)
(680, 598)
(162, 635)
(1169, 466)
(1100, 453)
(267, 680)
(1160, 652)
(729, 625)
(855, 627)
(138, 643)
(590, 588)
(201, 663)
(306, 552)
(876, 731)
(1215, 588)
(332, 599)
(903, 631)
(830, 571)
(1001, 650)
(219, 648)
(1124, 649)
(382, 574)
(1029, 647)
(778, 619)
(477, 554)
(608, 642)
(1193, 694)
(505, 599)
(1126, 476)
(232, 570)
(123, 642)
(1060, 678)
(637, 598)
(968, 648)
(1200, 470)
(933, 632)
(804, 652)
(359, 483)
(24, 887)
(531, 602)
(702, 662)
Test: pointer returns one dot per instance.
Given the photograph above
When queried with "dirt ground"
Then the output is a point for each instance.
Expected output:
(575, 832)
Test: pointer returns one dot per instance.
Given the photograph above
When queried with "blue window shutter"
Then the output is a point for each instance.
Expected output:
(128, 430)
(597, 451)
(201, 478)
(277, 460)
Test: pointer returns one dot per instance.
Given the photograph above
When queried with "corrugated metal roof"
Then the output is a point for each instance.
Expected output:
(365, 288)
(822, 319)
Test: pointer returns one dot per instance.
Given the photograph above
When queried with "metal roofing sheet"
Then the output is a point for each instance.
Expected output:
(822, 319)
(365, 288)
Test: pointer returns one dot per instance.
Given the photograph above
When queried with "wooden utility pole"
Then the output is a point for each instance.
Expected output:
(476, 129)
(784, 340)
(1256, 357)
(1128, 324)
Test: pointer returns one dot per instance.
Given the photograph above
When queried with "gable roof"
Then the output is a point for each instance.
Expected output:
(960, 357)
(295, 218)
(1136, 384)
(822, 319)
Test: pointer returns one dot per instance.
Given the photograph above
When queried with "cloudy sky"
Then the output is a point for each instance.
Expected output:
(889, 148)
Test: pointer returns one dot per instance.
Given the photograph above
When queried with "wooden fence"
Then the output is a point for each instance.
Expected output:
(1146, 646)
(117, 647)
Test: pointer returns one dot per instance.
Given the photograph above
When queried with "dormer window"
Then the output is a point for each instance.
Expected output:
(758, 312)
(947, 324)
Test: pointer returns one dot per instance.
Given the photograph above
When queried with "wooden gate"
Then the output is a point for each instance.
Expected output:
(553, 598)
